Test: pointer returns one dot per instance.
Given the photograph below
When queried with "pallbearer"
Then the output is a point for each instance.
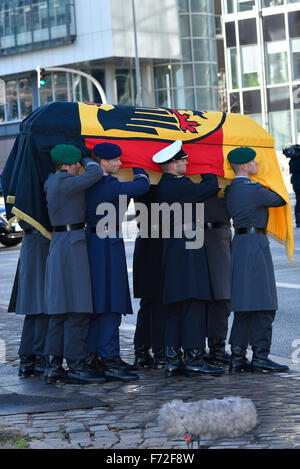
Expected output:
(68, 295)
(185, 282)
(253, 293)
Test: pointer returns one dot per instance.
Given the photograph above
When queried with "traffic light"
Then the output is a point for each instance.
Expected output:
(42, 77)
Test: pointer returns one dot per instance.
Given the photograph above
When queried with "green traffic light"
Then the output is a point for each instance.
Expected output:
(42, 82)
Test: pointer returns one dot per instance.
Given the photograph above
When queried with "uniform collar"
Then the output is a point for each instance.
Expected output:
(170, 176)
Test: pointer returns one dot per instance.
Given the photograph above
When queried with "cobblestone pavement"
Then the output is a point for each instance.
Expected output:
(125, 415)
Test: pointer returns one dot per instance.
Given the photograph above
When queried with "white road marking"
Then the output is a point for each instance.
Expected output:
(288, 285)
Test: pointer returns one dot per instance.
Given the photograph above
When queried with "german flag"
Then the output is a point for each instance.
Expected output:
(140, 132)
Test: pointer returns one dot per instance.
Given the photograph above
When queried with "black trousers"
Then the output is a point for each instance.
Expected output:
(150, 324)
(34, 333)
(252, 328)
(67, 335)
(218, 312)
(186, 324)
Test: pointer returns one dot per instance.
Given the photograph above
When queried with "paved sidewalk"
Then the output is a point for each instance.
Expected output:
(118, 416)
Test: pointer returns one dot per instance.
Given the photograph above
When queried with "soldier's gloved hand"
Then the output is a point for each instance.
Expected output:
(139, 172)
(85, 160)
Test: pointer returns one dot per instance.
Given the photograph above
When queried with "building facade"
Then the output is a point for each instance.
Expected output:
(262, 55)
(176, 49)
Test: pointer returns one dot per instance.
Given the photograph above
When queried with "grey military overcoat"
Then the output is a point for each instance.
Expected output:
(68, 281)
(217, 242)
(31, 272)
(252, 271)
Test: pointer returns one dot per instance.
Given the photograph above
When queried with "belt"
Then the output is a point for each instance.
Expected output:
(250, 230)
(216, 224)
(72, 227)
(93, 229)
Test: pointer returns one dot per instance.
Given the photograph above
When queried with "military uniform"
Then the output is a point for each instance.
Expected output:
(68, 294)
(108, 261)
(147, 283)
(217, 241)
(185, 284)
(253, 292)
(30, 300)
(111, 295)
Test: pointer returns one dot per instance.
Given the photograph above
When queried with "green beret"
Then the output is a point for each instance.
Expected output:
(66, 154)
(241, 155)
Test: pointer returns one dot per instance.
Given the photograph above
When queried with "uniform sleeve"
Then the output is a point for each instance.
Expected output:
(197, 192)
(139, 186)
(267, 198)
(74, 184)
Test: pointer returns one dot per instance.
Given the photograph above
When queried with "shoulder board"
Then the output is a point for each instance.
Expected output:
(252, 183)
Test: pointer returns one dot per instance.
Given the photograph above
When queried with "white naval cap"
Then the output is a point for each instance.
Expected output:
(172, 152)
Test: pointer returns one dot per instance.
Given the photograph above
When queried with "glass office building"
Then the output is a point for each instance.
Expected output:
(262, 53)
(27, 25)
(192, 81)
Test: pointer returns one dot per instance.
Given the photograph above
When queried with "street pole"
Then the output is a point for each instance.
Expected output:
(76, 72)
(137, 65)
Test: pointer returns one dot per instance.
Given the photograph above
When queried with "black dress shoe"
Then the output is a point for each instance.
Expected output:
(84, 376)
(93, 363)
(79, 373)
(261, 362)
(238, 360)
(217, 352)
(115, 370)
(40, 365)
(195, 364)
(54, 370)
(119, 363)
(143, 357)
(159, 358)
(173, 361)
(27, 366)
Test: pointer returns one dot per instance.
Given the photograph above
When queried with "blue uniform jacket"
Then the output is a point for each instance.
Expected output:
(185, 271)
(107, 255)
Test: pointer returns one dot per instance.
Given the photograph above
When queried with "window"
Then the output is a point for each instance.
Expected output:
(271, 3)
(230, 34)
(203, 25)
(12, 100)
(30, 25)
(276, 62)
(182, 75)
(183, 6)
(234, 102)
(205, 50)
(234, 68)
(252, 102)
(245, 5)
(125, 86)
(247, 32)
(294, 23)
(281, 133)
(207, 99)
(206, 74)
(184, 23)
(202, 6)
(295, 51)
(278, 98)
(296, 96)
(25, 96)
(274, 28)
(228, 6)
(250, 66)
